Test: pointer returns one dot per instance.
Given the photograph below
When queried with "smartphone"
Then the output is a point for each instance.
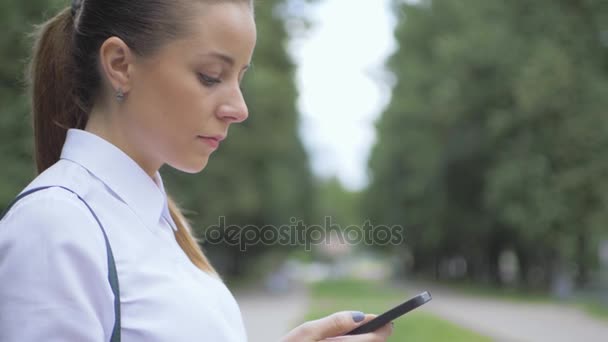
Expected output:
(392, 314)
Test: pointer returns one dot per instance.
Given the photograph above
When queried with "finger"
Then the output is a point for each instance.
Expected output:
(368, 317)
(336, 324)
(380, 335)
(385, 331)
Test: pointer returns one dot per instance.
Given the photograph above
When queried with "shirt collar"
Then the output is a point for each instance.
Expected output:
(144, 195)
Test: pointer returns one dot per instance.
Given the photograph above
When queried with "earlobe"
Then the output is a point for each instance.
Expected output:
(116, 58)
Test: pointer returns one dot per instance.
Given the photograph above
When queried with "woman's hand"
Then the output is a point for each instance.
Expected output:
(333, 327)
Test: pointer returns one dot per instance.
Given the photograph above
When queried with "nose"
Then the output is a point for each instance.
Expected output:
(234, 110)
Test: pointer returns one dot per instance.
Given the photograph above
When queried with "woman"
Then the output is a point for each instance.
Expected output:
(93, 249)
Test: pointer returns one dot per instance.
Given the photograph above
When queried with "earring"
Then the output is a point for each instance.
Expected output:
(120, 96)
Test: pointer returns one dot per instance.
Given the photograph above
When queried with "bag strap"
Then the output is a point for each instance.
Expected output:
(112, 275)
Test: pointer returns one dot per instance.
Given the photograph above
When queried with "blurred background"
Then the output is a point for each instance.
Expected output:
(479, 126)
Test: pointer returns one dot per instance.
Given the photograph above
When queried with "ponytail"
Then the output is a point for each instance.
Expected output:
(186, 241)
(58, 103)
(51, 81)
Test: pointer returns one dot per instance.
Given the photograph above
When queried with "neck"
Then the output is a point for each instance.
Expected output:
(107, 126)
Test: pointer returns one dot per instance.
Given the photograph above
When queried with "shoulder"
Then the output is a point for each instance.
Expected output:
(65, 173)
(53, 202)
(48, 205)
(54, 220)
(53, 255)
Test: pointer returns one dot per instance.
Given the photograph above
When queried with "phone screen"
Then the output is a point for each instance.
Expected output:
(392, 314)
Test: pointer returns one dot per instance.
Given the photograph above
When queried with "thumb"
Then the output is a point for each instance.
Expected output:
(336, 324)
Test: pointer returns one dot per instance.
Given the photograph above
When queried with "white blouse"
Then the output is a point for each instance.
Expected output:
(53, 261)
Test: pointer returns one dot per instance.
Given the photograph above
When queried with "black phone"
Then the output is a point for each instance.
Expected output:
(392, 314)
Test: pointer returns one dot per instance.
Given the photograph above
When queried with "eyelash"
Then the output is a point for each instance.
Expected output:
(209, 81)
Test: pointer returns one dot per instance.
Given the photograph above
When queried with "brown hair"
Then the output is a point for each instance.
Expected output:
(65, 80)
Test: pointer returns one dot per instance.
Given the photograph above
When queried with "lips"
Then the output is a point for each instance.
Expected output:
(219, 138)
(212, 141)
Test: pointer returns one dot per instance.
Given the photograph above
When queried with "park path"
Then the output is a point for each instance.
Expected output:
(269, 316)
(508, 321)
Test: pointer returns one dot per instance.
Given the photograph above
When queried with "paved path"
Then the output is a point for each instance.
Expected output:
(270, 316)
(508, 321)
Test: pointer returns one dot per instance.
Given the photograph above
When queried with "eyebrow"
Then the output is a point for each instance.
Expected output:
(227, 59)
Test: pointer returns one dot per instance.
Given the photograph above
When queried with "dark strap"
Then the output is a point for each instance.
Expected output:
(112, 275)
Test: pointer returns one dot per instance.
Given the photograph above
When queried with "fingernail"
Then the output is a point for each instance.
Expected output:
(358, 316)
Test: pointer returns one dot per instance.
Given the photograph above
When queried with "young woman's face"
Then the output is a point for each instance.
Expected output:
(188, 94)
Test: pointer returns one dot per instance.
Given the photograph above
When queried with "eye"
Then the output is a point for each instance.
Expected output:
(208, 81)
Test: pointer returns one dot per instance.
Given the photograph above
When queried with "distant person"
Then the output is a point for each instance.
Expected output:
(93, 249)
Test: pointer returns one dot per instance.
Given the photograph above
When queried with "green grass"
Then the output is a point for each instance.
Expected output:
(595, 309)
(369, 297)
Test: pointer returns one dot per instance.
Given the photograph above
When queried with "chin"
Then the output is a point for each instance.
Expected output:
(192, 166)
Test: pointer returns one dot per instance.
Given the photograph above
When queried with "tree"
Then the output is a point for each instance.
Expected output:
(492, 136)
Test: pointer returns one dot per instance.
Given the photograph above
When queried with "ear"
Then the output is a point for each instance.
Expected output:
(116, 59)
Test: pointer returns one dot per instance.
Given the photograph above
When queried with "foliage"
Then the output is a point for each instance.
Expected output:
(16, 144)
(494, 136)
